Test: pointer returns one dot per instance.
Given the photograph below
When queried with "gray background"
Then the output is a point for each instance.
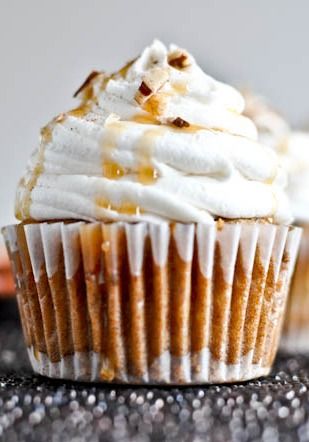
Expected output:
(47, 48)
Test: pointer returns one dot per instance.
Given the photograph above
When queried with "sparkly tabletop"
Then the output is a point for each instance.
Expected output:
(34, 408)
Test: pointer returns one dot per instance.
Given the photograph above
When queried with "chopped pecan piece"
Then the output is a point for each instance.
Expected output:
(144, 89)
(178, 60)
(179, 122)
(88, 80)
(151, 83)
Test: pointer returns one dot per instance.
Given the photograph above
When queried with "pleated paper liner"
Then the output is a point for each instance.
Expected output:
(146, 303)
(295, 336)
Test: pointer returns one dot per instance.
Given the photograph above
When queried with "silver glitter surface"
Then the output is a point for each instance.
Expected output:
(34, 408)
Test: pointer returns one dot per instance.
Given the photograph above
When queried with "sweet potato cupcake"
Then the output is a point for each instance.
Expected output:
(296, 326)
(154, 244)
(292, 148)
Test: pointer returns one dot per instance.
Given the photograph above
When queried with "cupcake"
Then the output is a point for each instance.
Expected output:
(292, 148)
(296, 325)
(153, 243)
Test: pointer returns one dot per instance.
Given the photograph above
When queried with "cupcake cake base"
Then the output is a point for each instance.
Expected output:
(152, 303)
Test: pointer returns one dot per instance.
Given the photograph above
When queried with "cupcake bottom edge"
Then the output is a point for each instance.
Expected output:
(295, 341)
(198, 368)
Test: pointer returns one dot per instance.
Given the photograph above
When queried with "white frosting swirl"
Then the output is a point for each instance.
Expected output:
(272, 127)
(292, 147)
(295, 158)
(122, 156)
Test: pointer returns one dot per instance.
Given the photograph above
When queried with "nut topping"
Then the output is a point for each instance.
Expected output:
(88, 80)
(151, 83)
(144, 89)
(178, 60)
(179, 122)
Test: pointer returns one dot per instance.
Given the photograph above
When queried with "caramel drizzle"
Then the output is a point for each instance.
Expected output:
(145, 119)
(110, 168)
(180, 88)
(24, 211)
(192, 128)
(156, 104)
(125, 208)
(79, 112)
(123, 71)
(147, 174)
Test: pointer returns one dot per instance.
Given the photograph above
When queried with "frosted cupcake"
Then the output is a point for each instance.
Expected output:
(293, 149)
(296, 160)
(154, 244)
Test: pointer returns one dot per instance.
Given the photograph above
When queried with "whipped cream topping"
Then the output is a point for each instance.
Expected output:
(295, 158)
(273, 129)
(291, 146)
(158, 140)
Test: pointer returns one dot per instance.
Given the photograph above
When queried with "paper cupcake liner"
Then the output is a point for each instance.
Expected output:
(295, 336)
(146, 303)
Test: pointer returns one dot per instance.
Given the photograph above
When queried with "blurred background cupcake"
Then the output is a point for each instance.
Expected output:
(295, 154)
(293, 149)
(6, 278)
(8, 308)
(273, 129)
